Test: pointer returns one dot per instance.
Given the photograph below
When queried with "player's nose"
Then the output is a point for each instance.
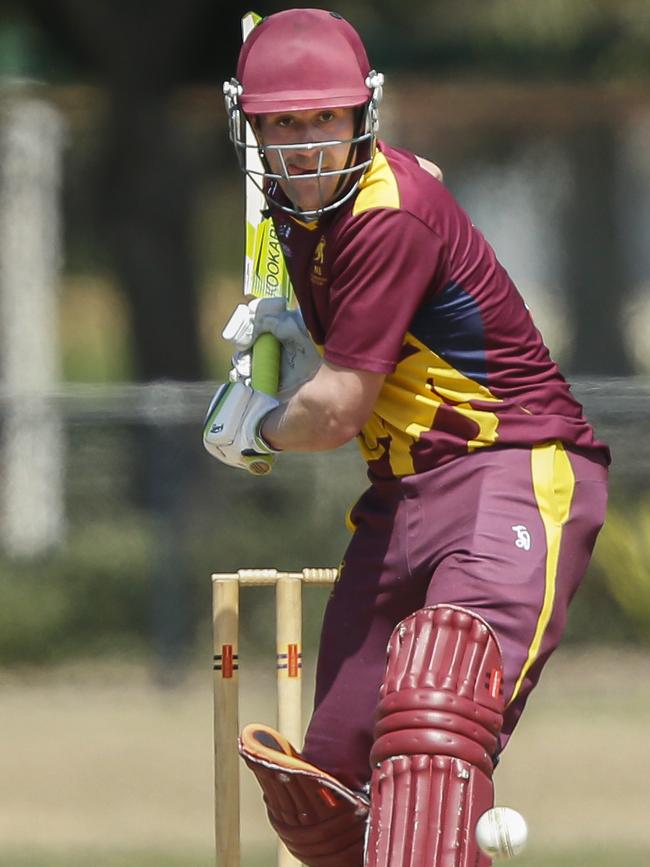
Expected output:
(311, 135)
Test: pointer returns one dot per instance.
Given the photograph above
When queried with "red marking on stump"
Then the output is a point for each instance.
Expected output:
(226, 660)
(292, 660)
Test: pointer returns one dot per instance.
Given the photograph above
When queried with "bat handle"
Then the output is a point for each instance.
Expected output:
(265, 376)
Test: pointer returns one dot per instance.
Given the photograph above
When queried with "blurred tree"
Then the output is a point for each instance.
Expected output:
(141, 52)
(554, 39)
(595, 269)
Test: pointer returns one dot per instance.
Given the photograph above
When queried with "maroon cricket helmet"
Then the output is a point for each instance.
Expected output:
(303, 59)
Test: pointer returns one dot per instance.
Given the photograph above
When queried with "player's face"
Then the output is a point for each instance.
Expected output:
(303, 128)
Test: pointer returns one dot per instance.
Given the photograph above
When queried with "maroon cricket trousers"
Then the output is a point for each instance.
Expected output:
(504, 532)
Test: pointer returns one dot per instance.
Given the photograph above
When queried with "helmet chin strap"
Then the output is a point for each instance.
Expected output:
(346, 186)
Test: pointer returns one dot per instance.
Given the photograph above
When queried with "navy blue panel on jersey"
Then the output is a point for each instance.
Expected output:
(450, 324)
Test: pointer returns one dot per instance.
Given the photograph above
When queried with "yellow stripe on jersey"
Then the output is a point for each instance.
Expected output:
(377, 188)
(311, 226)
(410, 399)
(553, 484)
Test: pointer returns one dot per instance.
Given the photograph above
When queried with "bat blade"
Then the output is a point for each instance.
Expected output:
(265, 271)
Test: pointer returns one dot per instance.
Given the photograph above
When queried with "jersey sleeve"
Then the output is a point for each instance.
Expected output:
(387, 263)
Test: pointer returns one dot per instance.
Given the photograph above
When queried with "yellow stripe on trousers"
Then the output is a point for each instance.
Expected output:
(553, 485)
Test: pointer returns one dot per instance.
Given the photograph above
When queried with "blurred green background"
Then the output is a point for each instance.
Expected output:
(121, 210)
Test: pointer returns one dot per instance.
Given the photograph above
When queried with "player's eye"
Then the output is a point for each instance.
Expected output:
(284, 121)
(326, 116)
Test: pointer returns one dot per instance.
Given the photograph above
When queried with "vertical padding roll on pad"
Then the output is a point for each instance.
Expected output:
(438, 722)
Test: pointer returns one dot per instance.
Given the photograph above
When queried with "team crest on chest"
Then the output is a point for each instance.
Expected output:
(317, 271)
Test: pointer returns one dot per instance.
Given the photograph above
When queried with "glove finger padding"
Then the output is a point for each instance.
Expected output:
(438, 722)
(243, 327)
(242, 367)
(320, 820)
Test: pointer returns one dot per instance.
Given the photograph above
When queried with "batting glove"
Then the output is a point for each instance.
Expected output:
(231, 432)
(242, 328)
(299, 359)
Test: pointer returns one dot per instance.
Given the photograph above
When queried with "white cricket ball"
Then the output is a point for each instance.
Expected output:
(501, 832)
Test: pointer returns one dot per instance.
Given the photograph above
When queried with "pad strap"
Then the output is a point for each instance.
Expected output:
(320, 820)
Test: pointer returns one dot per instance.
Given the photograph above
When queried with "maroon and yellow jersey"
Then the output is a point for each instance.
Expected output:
(399, 281)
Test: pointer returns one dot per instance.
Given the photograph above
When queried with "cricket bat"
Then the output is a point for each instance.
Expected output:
(265, 271)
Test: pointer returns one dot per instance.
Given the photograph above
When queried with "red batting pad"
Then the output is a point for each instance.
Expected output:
(439, 718)
(320, 820)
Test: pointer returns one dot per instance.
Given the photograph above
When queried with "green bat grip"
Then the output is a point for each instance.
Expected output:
(265, 374)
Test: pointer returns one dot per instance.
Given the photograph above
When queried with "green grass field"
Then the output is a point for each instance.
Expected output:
(102, 769)
(587, 858)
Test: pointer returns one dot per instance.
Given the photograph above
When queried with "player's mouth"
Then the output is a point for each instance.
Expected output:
(296, 171)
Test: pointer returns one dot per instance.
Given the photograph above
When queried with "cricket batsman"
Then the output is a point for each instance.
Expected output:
(487, 485)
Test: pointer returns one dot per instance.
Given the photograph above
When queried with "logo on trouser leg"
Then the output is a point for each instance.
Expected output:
(523, 536)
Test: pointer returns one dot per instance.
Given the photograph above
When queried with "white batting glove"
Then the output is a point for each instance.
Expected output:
(242, 328)
(231, 432)
(299, 358)
(242, 365)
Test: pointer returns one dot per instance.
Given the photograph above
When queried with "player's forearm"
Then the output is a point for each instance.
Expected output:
(325, 412)
(306, 424)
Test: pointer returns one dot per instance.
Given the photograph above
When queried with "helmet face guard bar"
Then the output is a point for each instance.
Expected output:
(259, 177)
(237, 121)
